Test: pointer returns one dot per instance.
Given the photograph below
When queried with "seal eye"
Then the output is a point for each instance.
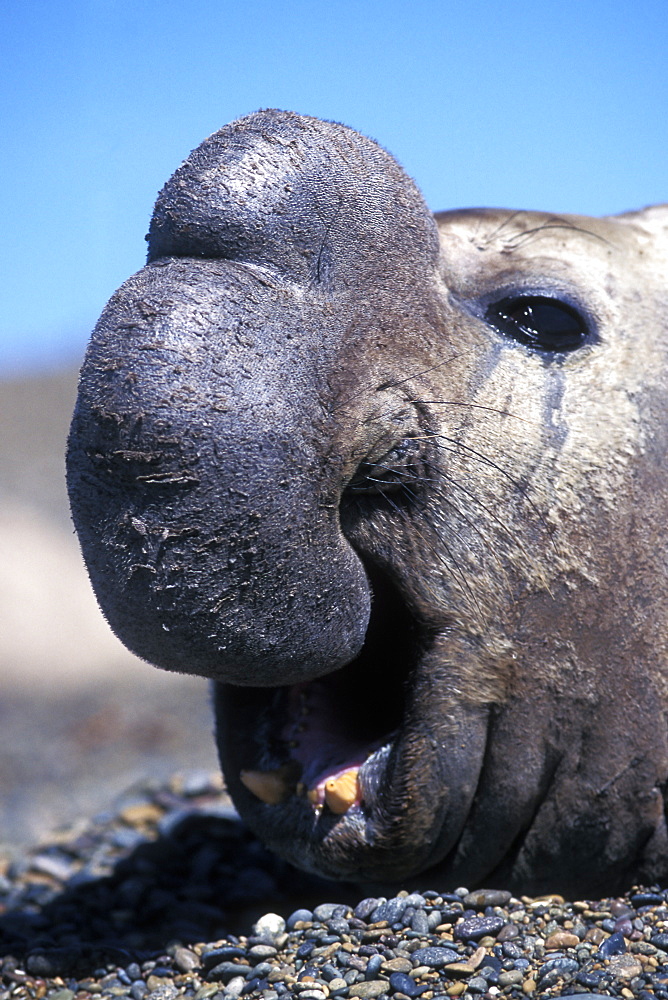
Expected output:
(538, 321)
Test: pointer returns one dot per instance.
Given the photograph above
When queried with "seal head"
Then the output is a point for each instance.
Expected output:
(395, 484)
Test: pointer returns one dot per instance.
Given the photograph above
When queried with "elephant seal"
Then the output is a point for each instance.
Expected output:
(397, 484)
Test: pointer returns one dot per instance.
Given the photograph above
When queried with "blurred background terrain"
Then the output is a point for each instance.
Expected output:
(561, 106)
(81, 719)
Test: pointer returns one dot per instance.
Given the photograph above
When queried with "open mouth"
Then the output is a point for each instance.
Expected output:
(344, 775)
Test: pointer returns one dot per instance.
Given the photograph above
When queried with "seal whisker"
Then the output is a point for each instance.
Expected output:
(505, 223)
(488, 461)
(522, 239)
(451, 565)
(392, 382)
(447, 499)
(475, 406)
(478, 502)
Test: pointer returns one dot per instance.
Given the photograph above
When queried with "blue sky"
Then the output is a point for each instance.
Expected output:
(559, 104)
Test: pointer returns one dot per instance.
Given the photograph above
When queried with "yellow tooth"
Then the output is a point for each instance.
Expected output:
(341, 792)
(269, 786)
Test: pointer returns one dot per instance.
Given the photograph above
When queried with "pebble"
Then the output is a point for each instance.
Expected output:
(482, 898)
(614, 945)
(561, 939)
(562, 966)
(434, 957)
(510, 978)
(234, 987)
(390, 910)
(396, 965)
(507, 933)
(420, 922)
(475, 928)
(211, 958)
(469, 965)
(271, 926)
(262, 951)
(224, 971)
(371, 989)
(301, 916)
(185, 959)
(191, 906)
(624, 967)
(401, 983)
(373, 967)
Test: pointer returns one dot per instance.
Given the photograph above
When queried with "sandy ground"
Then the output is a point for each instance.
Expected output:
(80, 717)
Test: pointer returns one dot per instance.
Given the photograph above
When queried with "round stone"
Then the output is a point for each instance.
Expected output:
(370, 990)
(401, 983)
(510, 978)
(481, 898)
(391, 910)
(366, 906)
(337, 987)
(561, 966)
(325, 911)
(271, 925)
(474, 928)
(373, 967)
(298, 916)
(434, 957)
(561, 939)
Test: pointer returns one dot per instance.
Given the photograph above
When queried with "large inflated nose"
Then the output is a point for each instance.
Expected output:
(315, 202)
(205, 459)
(206, 511)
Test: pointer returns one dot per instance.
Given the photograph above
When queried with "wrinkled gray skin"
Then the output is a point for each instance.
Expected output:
(302, 450)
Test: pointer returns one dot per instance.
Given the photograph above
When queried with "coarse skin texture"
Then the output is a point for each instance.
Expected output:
(312, 461)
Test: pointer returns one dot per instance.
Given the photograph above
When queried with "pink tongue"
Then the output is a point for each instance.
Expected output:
(329, 756)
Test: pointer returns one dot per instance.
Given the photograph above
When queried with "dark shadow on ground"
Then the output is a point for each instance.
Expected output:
(203, 880)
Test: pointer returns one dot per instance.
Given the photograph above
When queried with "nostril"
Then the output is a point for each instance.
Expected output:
(395, 473)
(376, 477)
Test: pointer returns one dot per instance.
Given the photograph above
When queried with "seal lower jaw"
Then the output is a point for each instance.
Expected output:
(355, 775)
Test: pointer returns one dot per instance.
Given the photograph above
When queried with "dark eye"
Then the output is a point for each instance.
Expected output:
(538, 321)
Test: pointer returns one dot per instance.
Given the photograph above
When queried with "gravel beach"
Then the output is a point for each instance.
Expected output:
(168, 895)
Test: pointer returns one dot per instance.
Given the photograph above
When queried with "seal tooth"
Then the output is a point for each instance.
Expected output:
(270, 787)
(342, 791)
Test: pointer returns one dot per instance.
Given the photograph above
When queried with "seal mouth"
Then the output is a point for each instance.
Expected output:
(342, 775)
